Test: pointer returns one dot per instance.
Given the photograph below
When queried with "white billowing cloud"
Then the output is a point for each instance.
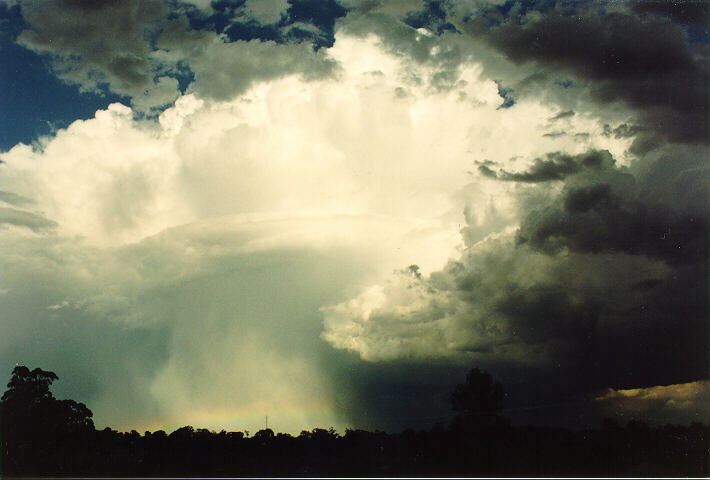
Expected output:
(409, 317)
(172, 119)
(217, 233)
(102, 179)
(369, 142)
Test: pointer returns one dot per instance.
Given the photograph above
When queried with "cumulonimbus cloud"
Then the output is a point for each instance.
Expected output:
(171, 238)
(196, 252)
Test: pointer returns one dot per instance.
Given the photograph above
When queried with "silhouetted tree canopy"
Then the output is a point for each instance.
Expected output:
(264, 434)
(30, 411)
(29, 387)
(477, 398)
(46, 437)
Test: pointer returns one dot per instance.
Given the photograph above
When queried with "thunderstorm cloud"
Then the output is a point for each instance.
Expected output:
(326, 212)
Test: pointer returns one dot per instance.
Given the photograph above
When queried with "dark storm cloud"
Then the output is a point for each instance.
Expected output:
(563, 319)
(593, 219)
(623, 130)
(605, 213)
(95, 42)
(608, 210)
(604, 285)
(606, 282)
(642, 60)
(591, 338)
(555, 166)
(686, 12)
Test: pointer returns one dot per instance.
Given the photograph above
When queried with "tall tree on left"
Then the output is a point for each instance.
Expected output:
(30, 416)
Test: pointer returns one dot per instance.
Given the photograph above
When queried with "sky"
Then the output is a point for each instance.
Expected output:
(327, 212)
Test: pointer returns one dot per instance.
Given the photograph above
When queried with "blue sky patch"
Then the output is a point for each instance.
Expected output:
(34, 101)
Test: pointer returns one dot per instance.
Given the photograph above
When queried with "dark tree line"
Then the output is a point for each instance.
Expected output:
(43, 436)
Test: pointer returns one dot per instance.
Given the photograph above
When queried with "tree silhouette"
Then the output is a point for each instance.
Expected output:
(477, 399)
(265, 434)
(30, 411)
(29, 386)
(46, 437)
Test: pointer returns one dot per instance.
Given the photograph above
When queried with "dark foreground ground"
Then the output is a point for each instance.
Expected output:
(612, 450)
